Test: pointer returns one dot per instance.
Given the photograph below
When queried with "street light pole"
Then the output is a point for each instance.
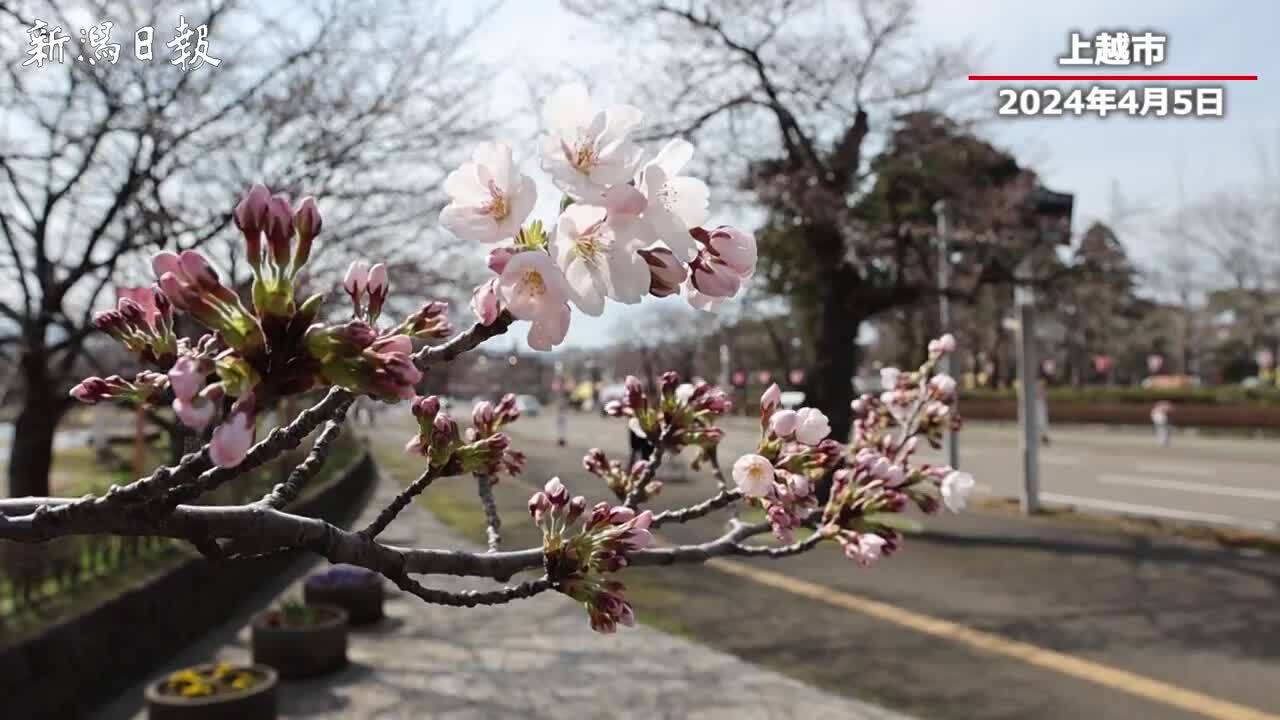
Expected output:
(1029, 405)
(950, 442)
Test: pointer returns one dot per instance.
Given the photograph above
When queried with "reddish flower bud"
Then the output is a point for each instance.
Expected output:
(577, 506)
(498, 258)
(669, 381)
(666, 272)
(426, 408)
(279, 228)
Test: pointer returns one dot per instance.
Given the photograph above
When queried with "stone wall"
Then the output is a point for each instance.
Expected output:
(73, 666)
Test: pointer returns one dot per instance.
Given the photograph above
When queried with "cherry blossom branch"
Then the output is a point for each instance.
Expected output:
(402, 501)
(286, 492)
(722, 499)
(493, 526)
(257, 527)
(637, 493)
(472, 598)
(277, 442)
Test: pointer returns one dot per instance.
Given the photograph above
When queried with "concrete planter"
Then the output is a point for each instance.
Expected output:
(256, 703)
(354, 589)
(300, 651)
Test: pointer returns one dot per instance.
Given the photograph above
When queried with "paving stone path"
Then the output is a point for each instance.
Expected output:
(529, 659)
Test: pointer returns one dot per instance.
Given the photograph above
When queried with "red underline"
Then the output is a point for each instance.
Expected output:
(1151, 77)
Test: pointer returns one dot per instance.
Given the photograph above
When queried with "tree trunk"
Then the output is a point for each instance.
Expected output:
(31, 455)
(833, 323)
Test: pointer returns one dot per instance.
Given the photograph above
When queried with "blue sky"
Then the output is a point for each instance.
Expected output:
(1153, 162)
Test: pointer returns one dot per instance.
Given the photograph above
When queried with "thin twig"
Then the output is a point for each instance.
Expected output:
(721, 499)
(277, 442)
(286, 492)
(637, 494)
(472, 598)
(402, 501)
(484, 488)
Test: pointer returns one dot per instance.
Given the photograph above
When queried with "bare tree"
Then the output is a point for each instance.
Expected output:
(100, 163)
(786, 95)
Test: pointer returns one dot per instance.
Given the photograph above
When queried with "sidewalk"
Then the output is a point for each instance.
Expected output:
(529, 659)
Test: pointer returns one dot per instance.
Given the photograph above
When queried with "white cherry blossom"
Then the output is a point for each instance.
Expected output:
(599, 257)
(489, 197)
(586, 149)
(676, 202)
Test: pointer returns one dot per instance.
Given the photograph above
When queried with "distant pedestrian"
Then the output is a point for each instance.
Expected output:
(641, 448)
(562, 424)
(1042, 409)
(1160, 421)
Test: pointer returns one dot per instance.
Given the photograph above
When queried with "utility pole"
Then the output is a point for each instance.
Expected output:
(950, 444)
(1029, 394)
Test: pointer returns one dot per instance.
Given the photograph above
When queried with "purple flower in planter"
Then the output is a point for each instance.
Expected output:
(343, 575)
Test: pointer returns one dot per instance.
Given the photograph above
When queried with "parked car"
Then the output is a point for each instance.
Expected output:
(791, 399)
(611, 392)
(529, 405)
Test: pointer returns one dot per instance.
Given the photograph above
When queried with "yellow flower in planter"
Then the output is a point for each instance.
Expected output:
(244, 681)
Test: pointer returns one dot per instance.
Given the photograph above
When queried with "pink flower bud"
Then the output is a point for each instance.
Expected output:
(131, 311)
(279, 228)
(735, 248)
(357, 277)
(498, 258)
(306, 219)
(539, 505)
(165, 262)
(378, 280)
(577, 506)
(483, 415)
(393, 344)
(556, 492)
(485, 302)
(666, 272)
(714, 279)
(187, 376)
(783, 423)
(195, 267)
(668, 382)
(643, 520)
(251, 212)
(426, 408)
(620, 515)
(771, 398)
(91, 390)
(231, 440)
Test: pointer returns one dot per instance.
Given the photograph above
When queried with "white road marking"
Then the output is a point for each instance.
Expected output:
(1186, 486)
(1176, 469)
(1068, 460)
(1125, 508)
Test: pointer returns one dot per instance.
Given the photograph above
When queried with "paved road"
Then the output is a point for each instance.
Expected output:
(1229, 481)
(991, 616)
(533, 659)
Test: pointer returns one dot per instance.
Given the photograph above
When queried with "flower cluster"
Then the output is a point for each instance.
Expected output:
(627, 227)
(683, 414)
(620, 480)
(143, 323)
(878, 481)
(578, 562)
(271, 348)
(480, 449)
(793, 455)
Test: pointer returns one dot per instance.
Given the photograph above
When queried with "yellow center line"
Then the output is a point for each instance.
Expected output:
(1094, 672)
